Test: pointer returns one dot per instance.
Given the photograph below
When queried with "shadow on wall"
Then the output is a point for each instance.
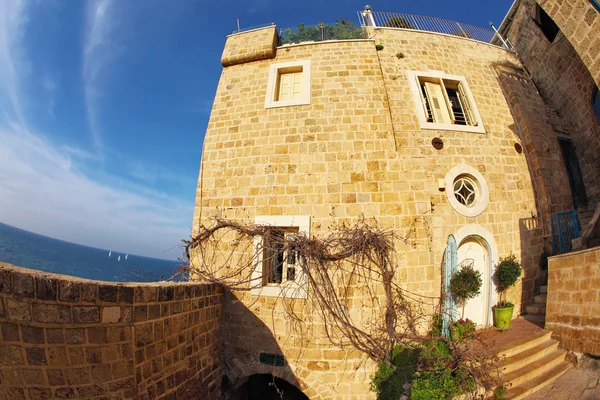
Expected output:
(254, 364)
(532, 246)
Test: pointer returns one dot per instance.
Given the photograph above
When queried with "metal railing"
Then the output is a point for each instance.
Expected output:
(370, 18)
(340, 30)
(249, 28)
(565, 228)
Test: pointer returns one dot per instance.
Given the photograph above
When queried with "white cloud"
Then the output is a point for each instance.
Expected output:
(42, 190)
(49, 188)
(12, 21)
(99, 50)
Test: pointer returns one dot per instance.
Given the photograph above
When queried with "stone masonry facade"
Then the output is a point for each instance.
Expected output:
(357, 149)
(573, 308)
(63, 337)
(563, 73)
(579, 21)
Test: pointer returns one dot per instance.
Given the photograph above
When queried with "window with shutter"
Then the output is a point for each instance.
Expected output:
(279, 269)
(289, 84)
(444, 102)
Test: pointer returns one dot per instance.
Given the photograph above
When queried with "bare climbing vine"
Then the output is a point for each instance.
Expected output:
(352, 275)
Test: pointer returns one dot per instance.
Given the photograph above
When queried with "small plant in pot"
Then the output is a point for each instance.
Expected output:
(465, 285)
(508, 271)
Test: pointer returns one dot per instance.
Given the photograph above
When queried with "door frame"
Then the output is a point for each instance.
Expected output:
(451, 255)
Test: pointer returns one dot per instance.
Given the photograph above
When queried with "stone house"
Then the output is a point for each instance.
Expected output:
(478, 140)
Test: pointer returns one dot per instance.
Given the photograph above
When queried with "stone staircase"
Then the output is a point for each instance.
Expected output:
(531, 363)
(536, 312)
(589, 221)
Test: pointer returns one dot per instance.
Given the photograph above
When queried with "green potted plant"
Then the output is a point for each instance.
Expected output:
(465, 285)
(508, 271)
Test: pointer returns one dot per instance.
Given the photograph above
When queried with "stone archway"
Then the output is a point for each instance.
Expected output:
(266, 387)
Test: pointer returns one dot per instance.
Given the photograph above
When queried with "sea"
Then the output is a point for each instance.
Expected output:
(30, 250)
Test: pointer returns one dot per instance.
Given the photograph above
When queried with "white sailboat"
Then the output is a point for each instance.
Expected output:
(126, 256)
(119, 258)
(109, 253)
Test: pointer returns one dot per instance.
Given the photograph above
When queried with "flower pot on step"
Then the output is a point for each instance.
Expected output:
(502, 317)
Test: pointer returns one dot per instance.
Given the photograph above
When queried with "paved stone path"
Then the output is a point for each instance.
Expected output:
(580, 383)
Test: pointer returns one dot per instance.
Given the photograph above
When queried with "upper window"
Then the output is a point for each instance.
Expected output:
(444, 102)
(596, 102)
(289, 84)
(278, 271)
(546, 24)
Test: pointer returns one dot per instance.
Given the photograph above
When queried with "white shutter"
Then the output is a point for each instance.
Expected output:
(448, 103)
(437, 103)
(285, 86)
(464, 100)
(296, 85)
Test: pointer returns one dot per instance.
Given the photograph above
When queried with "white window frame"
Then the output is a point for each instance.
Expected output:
(274, 71)
(415, 88)
(296, 289)
(483, 191)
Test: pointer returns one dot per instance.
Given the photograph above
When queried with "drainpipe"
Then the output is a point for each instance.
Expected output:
(505, 43)
(368, 14)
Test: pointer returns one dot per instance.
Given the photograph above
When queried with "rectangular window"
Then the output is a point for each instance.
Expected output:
(279, 256)
(279, 269)
(289, 84)
(546, 24)
(444, 102)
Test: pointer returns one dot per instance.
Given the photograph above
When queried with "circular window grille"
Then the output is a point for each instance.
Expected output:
(465, 190)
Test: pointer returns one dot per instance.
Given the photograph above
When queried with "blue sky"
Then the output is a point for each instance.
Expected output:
(104, 105)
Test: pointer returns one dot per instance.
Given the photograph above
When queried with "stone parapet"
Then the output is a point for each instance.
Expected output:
(64, 337)
(573, 305)
(254, 45)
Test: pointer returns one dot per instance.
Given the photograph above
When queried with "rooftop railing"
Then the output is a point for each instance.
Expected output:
(368, 18)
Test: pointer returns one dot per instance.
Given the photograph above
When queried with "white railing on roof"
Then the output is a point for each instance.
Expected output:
(368, 18)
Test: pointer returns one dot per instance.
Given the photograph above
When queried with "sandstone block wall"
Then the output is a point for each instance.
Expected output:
(579, 21)
(63, 337)
(357, 149)
(258, 44)
(573, 307)
(562, 75)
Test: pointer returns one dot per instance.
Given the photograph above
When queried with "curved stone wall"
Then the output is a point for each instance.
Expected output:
(65, 337)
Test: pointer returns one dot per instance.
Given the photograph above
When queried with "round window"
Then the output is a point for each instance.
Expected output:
(467, 190)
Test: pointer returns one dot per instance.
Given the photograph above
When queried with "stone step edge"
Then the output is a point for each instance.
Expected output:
(535, 353)
(519, 392)
(535, 368)
(523, 344)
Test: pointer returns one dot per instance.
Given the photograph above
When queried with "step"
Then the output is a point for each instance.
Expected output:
(540, 299)
(538, 319)
(524, 344)
(535, 368)
(535, 308)
(523, 358)
(526, 388)
(544, 289)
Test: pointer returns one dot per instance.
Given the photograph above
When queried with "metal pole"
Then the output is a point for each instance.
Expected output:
(238, 24)
(506, 46)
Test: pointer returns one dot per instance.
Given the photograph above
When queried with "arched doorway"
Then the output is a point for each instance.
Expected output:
(266, 387)
(474, 251)
(476, 245)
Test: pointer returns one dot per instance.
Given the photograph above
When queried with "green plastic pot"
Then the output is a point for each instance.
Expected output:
(502, 317)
